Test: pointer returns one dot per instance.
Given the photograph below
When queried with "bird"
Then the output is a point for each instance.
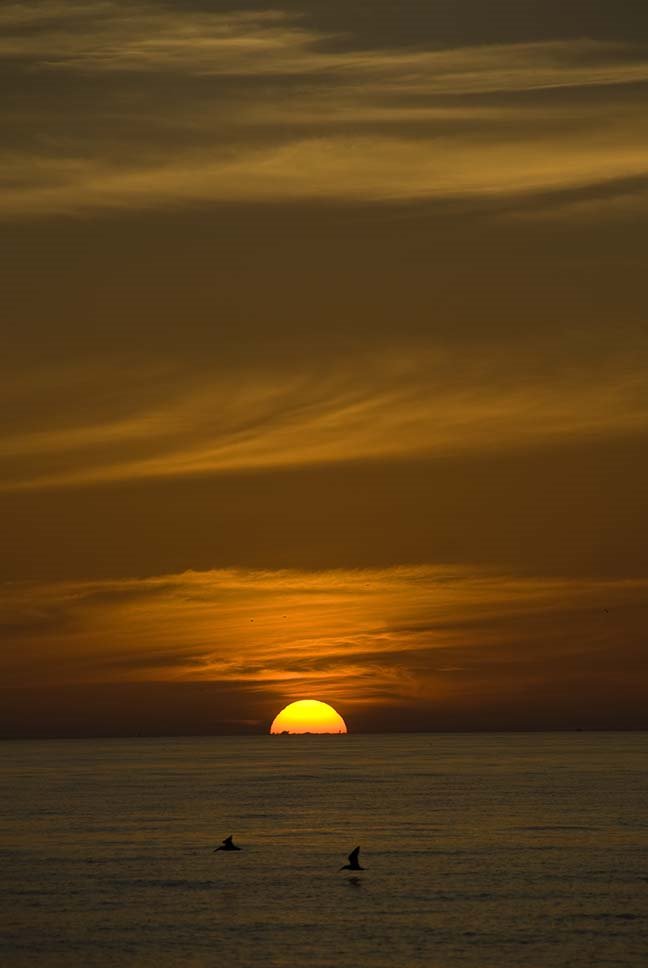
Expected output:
(353, 864)
(228, 844)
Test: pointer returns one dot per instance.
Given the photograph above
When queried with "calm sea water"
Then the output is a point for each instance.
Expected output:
(481, 850)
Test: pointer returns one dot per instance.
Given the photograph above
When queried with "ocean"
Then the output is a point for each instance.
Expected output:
(481, 851)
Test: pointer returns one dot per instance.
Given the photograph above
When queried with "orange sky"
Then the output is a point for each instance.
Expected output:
(326, 369)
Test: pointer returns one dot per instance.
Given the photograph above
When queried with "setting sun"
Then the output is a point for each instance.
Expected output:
(308, 716)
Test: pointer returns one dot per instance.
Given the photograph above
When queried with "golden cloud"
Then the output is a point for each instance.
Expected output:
(242, 150)
(363, 636)
(365, 408)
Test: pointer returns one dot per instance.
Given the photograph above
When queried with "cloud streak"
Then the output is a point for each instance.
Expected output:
(353, 170)
(407, 633)
(263, 75)
(364, 409)
(143, 37)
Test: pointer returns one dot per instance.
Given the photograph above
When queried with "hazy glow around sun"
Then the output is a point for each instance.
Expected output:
(308, 716)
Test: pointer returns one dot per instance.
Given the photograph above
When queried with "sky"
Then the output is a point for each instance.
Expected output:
(325, 364)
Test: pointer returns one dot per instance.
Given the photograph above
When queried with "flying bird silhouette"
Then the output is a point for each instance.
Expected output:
(353, 864)
(228, 844)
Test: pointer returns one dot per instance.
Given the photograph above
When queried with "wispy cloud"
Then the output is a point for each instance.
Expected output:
(114, 36)
(366, 408)
(378, 635)
(241, 141)
(337, 167)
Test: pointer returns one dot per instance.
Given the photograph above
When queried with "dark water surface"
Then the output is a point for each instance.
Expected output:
(481, 850)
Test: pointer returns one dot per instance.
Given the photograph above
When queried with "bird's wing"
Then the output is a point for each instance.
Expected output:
(228, 840)
(353, 856)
